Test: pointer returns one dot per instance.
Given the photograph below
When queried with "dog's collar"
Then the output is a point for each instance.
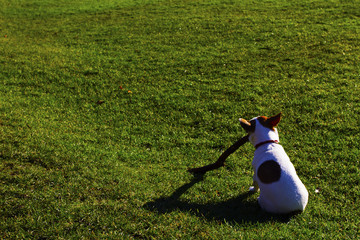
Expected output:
(265, 142)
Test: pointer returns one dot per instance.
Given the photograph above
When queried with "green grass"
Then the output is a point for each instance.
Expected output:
(174, 77)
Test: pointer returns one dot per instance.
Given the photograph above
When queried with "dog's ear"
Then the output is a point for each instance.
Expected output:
(274, 120)
(246, 125)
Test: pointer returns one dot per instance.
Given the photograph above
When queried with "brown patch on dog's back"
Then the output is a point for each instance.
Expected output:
(269, 172)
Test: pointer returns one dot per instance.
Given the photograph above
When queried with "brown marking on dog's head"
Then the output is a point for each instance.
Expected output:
(270, 122)
(247, 126)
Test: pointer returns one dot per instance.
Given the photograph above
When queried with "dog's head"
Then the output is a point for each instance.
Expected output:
(261, 129)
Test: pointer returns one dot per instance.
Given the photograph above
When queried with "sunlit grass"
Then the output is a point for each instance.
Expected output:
(104, 105)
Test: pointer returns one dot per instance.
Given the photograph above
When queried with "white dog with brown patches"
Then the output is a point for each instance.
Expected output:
(281, 190)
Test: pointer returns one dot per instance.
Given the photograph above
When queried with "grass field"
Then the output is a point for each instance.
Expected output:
(104, 105)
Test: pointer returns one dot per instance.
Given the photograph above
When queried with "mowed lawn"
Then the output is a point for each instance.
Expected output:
(104, 105)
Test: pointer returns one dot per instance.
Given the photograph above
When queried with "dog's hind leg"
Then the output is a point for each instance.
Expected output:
(254, 188)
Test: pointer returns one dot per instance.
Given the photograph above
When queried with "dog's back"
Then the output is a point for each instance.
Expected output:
(281, 190)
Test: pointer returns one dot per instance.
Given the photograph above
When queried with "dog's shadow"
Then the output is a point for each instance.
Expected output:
(235, 210)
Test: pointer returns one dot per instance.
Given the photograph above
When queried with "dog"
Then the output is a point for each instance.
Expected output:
(281, 190)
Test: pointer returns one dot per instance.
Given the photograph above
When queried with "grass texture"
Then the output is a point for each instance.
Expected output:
(104, 105)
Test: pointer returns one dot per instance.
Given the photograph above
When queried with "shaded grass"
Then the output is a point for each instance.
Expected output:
(71, 167)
